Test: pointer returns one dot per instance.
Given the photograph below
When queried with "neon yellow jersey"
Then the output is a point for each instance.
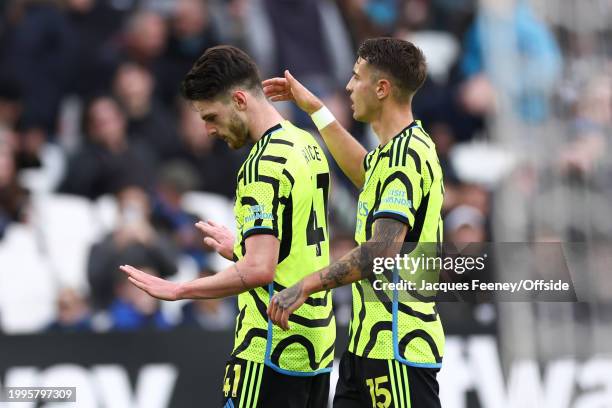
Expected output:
(282, 190)
(403, 182)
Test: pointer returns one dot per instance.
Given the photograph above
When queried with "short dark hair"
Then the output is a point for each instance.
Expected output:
(401, 59)
(218, 70)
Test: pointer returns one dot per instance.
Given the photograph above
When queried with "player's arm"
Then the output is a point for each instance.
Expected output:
(346, 150)
(257, 268)
(386, 241)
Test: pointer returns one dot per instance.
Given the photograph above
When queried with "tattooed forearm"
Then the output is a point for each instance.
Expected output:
(357, 264)
(289, 296)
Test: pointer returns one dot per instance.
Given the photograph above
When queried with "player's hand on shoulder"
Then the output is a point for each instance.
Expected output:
(218, 237)
(290, 89)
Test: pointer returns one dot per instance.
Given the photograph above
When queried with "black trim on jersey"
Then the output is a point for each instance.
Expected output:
(424, 299)
(286, 342)
(259, 304)
(289, 177)
(326, 353)
(240, 176)
(245, 168)
(394, 152)
(297, 338)
(275, 198)
(255, 162)
(422, 141)
(421, 334)
(240, 319)
(417, 159)
(401, 132)
(254, 332)
(414, 233)
(380, 156)
(406, 147)
(374, 331)
(287, 234)
(431, 175)
(275, 159)
(272, 129)
(324, 322)
(370, 217)
(392, 215)
(259, 231)
(362, 315)
(281, 141)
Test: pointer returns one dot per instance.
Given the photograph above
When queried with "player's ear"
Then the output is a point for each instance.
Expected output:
(383, 88)
(239, 99)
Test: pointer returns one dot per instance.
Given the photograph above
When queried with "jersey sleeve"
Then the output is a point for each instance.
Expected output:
(401, 193)
(261, 206)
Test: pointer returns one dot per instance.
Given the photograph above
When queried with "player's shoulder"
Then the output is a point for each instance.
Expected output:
(411, 150)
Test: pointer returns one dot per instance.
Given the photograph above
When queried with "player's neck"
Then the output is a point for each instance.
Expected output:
(391, 121)
(263, 117)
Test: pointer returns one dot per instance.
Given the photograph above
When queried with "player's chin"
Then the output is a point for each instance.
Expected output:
(358, 117)
(233, 144)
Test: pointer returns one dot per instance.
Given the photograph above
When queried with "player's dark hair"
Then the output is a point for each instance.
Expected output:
(400, 59)
(218, 70)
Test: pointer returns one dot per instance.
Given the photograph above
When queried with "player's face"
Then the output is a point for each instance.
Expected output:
(362, 91)
(223, 122)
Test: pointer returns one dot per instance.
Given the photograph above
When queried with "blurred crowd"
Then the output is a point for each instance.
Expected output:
(89, 107)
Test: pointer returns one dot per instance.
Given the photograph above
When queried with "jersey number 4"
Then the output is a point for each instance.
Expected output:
(315, 233)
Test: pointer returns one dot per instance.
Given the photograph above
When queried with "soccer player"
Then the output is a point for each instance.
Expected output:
(281, 207)
(396, 344)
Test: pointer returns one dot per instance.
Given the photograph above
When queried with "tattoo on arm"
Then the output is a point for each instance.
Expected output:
(244, 285)
(357, 265)
(289, 296)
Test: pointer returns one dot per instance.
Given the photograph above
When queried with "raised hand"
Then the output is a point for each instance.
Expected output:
(290, 89)
(218, 237)
(154, 286)
(284, 303)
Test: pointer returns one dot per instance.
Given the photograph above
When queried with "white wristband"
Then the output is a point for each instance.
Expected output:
(322, 117)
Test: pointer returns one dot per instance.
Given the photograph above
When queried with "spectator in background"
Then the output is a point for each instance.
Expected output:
(38, 53)
(73, 313)
(14, 199)
(465, 224)
(142, 41)
(206, 156)
(209, 314)
(191, 32)
(174, 180)
(371, 18)
(148, 122)
(507, 49)
(132, 308)
(134, 237)
(94, 23)
(32, 138)
(107, 159)
(10, 104)
(590, 129)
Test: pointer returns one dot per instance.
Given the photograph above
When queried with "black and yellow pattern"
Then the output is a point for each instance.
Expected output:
(403, 182)
(282, 190)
